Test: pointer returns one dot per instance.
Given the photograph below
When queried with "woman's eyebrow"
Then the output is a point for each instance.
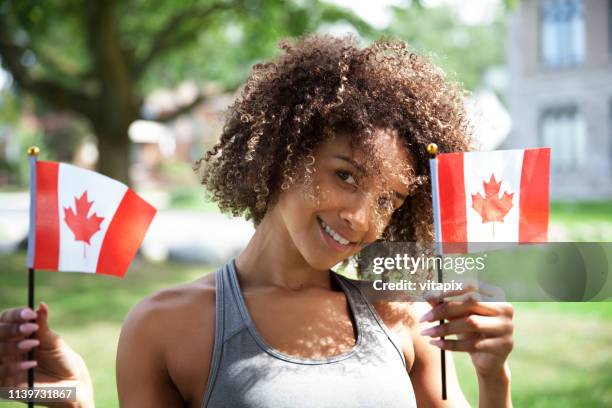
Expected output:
(352, 162)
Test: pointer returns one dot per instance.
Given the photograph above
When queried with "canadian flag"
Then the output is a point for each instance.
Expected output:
(83, 221)
(498, 196)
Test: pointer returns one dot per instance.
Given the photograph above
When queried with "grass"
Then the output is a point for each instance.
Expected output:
(562, 356)
(581, 211)
(589, 221)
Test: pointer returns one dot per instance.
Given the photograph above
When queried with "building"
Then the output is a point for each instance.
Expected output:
(560, 93)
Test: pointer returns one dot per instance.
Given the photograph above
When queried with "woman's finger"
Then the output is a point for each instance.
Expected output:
(17, 315)
(489, 326)
(453, 309)
(436, 296)
(11, 348)
(47, 337)
(8, 371)
(494, 345)
(10, 331)
(479, 291)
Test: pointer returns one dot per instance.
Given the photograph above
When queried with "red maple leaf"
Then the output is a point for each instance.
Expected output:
(492, 207)
(82, 226)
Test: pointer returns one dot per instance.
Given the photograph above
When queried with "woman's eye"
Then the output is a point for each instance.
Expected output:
(345, 176)
(384, 201)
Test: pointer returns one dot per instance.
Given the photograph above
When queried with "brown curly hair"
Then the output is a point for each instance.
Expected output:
(320, 85)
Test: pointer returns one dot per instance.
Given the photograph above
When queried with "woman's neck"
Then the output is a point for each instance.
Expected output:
(271, 259)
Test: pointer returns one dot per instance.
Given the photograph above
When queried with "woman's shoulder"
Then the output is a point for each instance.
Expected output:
(170, 334)
(175, 304)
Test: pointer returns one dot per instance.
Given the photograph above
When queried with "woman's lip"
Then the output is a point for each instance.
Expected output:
(332, 242)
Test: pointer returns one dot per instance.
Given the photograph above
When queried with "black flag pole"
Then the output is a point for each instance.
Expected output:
(31, 306)
(442, 351)
(432, 149)
(33, 156)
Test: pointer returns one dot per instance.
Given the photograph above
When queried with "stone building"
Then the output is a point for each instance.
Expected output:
(560, 93)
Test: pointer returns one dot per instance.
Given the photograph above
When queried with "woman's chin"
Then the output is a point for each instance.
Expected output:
(324, 262)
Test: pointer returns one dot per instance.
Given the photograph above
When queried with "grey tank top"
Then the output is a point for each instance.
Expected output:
(246, 372)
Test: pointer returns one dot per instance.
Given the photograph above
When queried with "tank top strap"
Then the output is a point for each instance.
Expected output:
(362, 313)
(228, 309)
(367, 314)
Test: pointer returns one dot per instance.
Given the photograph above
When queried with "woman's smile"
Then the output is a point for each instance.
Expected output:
(333, 238)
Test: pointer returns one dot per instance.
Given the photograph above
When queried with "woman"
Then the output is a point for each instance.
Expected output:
(325, 150)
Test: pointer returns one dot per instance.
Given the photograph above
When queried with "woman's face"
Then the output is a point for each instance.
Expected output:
(350, 199)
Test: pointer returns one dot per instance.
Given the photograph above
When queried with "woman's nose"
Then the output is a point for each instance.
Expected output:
(357, 215)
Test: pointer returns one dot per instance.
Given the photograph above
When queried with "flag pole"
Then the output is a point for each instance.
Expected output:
(432, 149)
(32, 157)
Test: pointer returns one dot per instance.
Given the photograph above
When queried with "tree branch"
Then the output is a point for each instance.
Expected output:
(64, 69)
(168, 116)
(53, 92)
(171, 36)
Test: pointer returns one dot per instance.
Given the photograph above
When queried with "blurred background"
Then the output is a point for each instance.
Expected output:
(137, 90)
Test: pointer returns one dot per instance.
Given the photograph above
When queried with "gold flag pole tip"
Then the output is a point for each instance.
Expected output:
(432, 149)
(33, 151)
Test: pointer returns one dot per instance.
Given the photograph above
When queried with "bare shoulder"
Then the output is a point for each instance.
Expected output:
(167, 340)
(182, 304)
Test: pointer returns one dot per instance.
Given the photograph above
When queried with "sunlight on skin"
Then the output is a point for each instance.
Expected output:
(385, 167)
(343, 189)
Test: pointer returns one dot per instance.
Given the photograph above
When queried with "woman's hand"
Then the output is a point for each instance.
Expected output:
(483, 329)
(56, 364)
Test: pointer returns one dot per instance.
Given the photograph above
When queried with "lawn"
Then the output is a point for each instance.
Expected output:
(581, 211)
(562, 356)
(581, 221)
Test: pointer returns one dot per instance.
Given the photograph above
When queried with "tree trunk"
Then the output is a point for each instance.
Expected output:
(114, 154)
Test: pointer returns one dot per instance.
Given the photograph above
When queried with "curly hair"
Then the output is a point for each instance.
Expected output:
(321, 84)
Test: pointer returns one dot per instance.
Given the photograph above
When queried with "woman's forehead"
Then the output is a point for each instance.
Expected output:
(381, 154)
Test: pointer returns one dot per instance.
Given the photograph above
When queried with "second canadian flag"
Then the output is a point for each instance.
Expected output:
(499, 196)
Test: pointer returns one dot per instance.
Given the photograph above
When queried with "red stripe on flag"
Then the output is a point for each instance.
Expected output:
(124, 235)
(47, 241)
(453, 218)
(534, 208)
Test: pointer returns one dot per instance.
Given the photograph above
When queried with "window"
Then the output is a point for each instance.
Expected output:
(564, 130)
(562, 33)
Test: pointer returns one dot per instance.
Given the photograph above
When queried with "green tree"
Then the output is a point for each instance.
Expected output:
(463, 51)
(99, 58)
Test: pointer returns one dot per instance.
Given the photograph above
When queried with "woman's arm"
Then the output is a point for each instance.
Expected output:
(142, 375)
(495, 389)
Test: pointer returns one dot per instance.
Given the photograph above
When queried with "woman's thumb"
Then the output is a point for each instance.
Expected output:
(48, 339)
